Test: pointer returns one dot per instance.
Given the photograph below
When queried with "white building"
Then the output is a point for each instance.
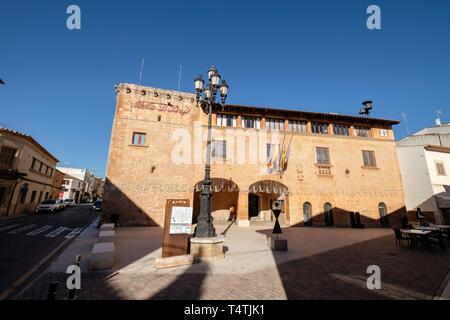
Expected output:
(424, 159)
(72, 188)
(83, 175)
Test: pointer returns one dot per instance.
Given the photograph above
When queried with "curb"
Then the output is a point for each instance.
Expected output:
(15, 217)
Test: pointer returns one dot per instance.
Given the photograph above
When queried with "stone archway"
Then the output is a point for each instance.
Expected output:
(269, 191)
(224, 200)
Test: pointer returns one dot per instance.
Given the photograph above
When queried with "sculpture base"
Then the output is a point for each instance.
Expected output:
(277, 244)
(207, 249)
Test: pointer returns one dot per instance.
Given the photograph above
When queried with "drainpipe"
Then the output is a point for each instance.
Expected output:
(11, 196)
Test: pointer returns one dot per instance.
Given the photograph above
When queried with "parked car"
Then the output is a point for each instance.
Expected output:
(61, 204)
(97, 206)
(69, 202)
(48, 205)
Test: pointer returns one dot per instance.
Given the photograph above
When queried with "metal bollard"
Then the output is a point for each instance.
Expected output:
(52, 291)
(72, 292)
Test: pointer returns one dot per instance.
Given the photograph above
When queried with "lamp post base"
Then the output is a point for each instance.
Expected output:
(207, 249)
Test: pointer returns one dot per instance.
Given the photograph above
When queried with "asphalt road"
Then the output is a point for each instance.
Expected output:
(28, 244)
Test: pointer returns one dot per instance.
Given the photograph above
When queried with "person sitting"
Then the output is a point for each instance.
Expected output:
(232, 216)
(420, 217)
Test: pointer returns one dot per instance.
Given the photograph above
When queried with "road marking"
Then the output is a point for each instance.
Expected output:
(25, 277)
(11, 226)
(24, 228)
(38, 231)
(74, 233)
(54, 233)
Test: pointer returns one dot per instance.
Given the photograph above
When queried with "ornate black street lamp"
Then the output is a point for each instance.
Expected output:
(205, 227)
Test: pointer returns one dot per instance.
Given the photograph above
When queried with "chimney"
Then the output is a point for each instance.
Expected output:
(438, 117)
(438, 122)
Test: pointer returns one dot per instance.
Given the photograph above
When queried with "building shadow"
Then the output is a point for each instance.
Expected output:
(339, 217)
(187, 286)
(341, 273)
(118, 207)
(439, 202)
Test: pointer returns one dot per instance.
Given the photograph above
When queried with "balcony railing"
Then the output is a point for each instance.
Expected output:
(323, 169)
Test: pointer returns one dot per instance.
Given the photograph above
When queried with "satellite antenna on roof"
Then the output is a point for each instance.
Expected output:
(366, 109)
(140, 73)
(179, 78)
(406, 122)
(438, 117)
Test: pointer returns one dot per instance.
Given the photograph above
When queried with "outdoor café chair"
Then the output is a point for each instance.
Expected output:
(399, 237)
(437, 238)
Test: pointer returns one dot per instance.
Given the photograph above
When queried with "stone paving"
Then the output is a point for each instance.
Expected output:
(322, 263)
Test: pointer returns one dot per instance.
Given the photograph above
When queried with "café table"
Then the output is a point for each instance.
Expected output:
(430, 228)
(416, 235)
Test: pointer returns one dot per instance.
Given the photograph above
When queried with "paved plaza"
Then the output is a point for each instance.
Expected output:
(321, 263)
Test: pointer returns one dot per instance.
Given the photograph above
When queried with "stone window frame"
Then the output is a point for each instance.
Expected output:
(222, 120)
(369, 159)
(318, 127)
(362, 132)
(256, 121)
(7, 155)
(320, 153)
(274, 124)
(215, 146)
(297, 125)
(138, 135)
(341, 129)
(440, 168)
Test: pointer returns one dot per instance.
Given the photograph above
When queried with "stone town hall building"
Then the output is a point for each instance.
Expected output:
(340, 170)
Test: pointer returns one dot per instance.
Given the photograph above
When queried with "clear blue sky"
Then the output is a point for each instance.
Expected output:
(314, 55)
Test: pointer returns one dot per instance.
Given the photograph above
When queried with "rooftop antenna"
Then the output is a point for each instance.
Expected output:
(366, 109)
(179, 78)
(142, 69)
(438, 117)
(406, 122)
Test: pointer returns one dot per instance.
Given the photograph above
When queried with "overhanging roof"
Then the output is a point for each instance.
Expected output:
(30, 139)
(305, 114)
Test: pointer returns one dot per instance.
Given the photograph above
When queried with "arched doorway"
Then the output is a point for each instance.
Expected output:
(307, 214)
(328, 211)
(223, 202)
(262, 194)
(384, 219)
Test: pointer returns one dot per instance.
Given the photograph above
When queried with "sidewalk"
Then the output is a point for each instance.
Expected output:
(322, 263)
(446, 292)
(16, 216)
